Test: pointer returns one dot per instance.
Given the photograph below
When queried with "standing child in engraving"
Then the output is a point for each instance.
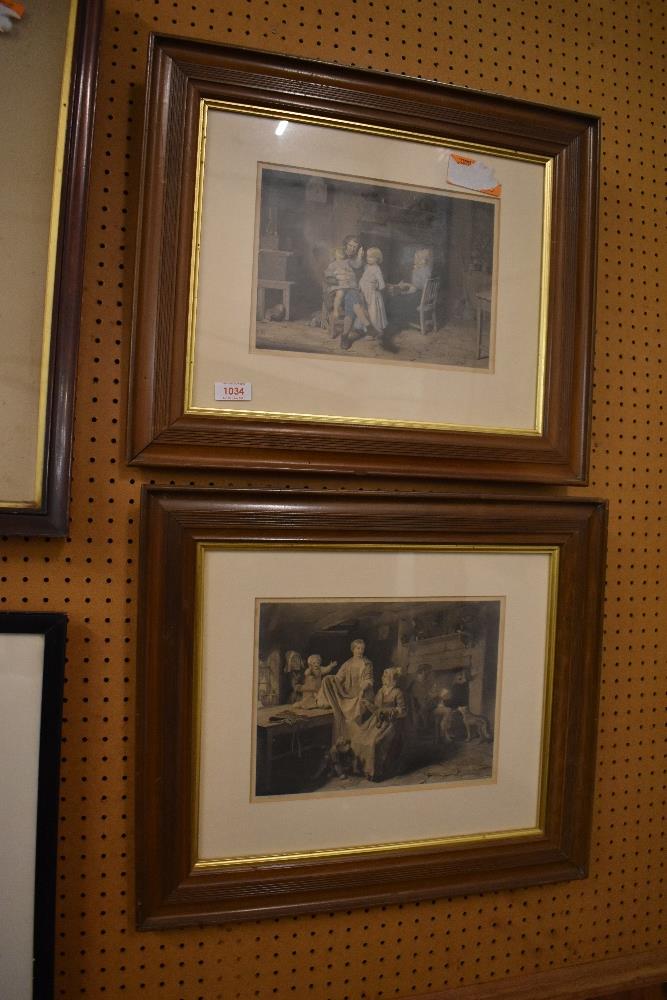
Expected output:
(372, 285)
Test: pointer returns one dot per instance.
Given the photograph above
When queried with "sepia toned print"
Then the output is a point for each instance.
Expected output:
(350, 267)
(356, 695)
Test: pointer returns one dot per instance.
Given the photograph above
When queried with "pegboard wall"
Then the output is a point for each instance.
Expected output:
(600, 56)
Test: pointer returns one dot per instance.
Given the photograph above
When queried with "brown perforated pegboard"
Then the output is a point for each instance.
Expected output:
(602, 56)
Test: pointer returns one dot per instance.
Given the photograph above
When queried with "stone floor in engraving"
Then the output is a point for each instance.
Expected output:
(465, 762)
(452, 345)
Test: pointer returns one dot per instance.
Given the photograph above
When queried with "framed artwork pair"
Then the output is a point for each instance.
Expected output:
(352, 697)
(344, 698)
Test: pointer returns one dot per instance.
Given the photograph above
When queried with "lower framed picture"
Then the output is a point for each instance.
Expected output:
(348, 699)
(32, 664)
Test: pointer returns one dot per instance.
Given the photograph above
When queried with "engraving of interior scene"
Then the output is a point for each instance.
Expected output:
(363, 270)
(360, 695)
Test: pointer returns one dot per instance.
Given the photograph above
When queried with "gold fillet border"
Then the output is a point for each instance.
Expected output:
(528, 833)
(52, 253)
(377, 130)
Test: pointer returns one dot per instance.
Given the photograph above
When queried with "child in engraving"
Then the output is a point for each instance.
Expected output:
(372, 285)
(312, 682)
(443, 716)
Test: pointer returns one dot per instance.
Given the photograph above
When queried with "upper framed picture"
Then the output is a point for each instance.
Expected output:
(48, 60)
(352, 272)
(353, 699)
(32, 668)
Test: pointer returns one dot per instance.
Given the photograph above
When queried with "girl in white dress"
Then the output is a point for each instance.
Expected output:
(371, 285)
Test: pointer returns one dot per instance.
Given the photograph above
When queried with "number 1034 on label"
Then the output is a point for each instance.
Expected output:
(233, 391)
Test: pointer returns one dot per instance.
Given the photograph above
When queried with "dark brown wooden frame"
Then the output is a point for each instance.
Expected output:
(183, 73)
(51, 517)
(170, 891)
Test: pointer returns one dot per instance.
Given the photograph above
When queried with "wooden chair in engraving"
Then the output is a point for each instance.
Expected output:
(428, 322)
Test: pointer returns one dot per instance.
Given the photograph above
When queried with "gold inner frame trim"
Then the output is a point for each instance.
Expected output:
(528, 833)
(366, 128)
(343, 852)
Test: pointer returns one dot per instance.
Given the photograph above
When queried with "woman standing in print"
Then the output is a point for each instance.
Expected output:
(350, 691)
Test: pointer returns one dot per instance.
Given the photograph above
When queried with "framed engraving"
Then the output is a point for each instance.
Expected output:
(350, 699)
(49, 62)
(399, 274)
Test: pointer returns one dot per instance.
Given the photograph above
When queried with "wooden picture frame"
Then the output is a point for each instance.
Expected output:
(258, 171)
(219, 838)
(40, 352)
(32, 663)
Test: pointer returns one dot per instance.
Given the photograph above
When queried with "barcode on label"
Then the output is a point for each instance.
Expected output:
(234, 391)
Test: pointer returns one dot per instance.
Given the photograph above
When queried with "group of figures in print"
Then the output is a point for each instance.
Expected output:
(322, 726)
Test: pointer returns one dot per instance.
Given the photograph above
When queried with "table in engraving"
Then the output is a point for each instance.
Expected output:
(284, 731)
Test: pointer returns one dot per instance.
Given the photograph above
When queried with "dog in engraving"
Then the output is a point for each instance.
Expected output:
(475, 723)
